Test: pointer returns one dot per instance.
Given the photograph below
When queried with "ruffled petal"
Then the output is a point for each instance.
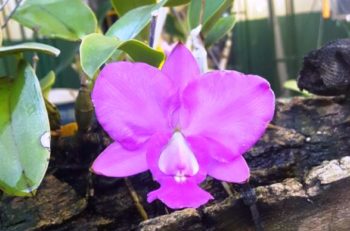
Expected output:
(132, 101)
(181, 67)
(230, 109)
(115, 161)
(237, 171)
(177, 196)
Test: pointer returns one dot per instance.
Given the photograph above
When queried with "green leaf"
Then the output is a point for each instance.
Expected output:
(176, 2)
(102, 10)
(24, 133)
(219, 30)
(194, 12)
(123, 6)
(46, 83)
(140, 52)
(212, 11)
(132, 23)
(34, 47)
(95, 50)
(66, 19)
(174, 28)
(293, 86)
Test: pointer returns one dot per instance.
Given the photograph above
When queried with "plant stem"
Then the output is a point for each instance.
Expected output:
(136, 200)
(35, 61)
(249, 199)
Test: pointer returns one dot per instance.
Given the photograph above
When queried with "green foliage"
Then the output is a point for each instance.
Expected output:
(211, 13)
(293, 86)
(194, 12)
(102, 10)
(30, 46)
(96, 49)
(24, 125)
(219, 30)
(24, 133)
(132, 23)
(67, 19)
(176, 2)
(175, 28)
(123, 6)
(46, 83)
(140, 52)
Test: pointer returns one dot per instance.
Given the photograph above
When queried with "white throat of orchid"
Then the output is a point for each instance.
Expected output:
(177, 159)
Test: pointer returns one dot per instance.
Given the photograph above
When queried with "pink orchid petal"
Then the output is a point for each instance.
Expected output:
(115, 161)
(132, 101)
(207, 146)
(236, 171)
(156, 145)
(227, 108)
(180, 195)
(181, 67)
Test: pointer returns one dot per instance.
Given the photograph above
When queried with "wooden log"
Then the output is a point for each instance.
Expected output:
(55, 203)
(299, 169)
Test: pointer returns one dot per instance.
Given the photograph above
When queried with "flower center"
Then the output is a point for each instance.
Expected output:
(177, 159)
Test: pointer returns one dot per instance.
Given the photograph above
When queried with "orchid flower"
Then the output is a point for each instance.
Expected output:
(179, 124)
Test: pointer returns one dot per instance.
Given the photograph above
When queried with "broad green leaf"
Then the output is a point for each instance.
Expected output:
(31, 46)
(102, 10)
(176, 2)
(194, 12)
(46, 83)
(24, 133)
(293, 86)
(95, 50)
(219, 30)
(132, 23)
(212, 11)
(140, 52)
(123, 6)
(66, 19)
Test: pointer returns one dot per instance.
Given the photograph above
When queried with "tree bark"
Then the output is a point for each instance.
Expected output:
(300, 170)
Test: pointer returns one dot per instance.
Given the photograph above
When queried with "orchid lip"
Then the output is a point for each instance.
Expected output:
(177, 159)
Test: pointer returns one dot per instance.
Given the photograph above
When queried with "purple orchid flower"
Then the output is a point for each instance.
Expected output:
(179, 124)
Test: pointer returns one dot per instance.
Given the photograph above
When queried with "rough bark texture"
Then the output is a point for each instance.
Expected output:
(300, 171)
